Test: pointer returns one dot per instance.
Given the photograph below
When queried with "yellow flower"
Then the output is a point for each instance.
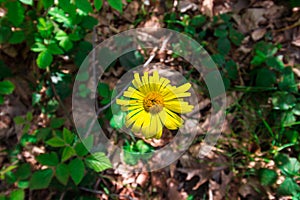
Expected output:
(153, 103)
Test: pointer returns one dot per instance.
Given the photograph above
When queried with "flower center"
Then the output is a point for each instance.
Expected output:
(153, 102)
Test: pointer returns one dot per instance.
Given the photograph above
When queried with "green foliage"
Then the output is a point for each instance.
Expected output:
(6, 87)
(135, 151)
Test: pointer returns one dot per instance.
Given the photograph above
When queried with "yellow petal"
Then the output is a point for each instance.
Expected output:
(128, 102)
(182, 88)
(178, 106)
(133, 93)
(158, 134)
(172, 121)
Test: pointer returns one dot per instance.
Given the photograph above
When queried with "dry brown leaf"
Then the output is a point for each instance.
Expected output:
(258, 34)
(207, 7)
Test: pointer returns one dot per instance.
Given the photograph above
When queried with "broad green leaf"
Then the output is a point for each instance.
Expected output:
(15, 12)
(98, 162)
(80, 149)
(41, 179)
(68, 136)
(231, 69)
(17, 195)
(288, 166)
(76, 170)
(62, 173)
(118, 120)
(292, 135)
(116, 4)
(98, 4)
(288, 82)
(84, 6)
(17, 37)
(56, 142)
(28, 2)
(60, 16)
(275, 63)
(54, 49)
(223, 45)
(23, 184)
(48, 3)
(5, 33)
(48, 159)
(283, 101)
(44, 59)
(142, 147)
(68, 152)
(88, 22)
(235, 36)
(267, 176)
(103, 90)
(38, 47)
(23, 172)
(296, 109)
(220, 33)
(45, 28)
(198, 20)
(1, 99)
(265, 78)
(57, 122)
(6, 87)
(288, 187)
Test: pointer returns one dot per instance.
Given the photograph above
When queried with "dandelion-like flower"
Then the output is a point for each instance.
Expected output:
(153, 103)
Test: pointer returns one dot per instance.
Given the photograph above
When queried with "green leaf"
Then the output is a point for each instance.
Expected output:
(103, 90)
(17, 37)
(48, 159)
(288, 166)
(4, 70)
(223, 45)
(54, 49)
(56, 142)
(68, 152)
(60, 16)
(38, 47)
(15, 13)
(44, 59)
(6, 87)
(23, 172)
(57, 122)
(62, 173)
(235, 36)
(84, 146)
(288, 82)
(48, 3)
(116, 4)
(17, 195)
(23, 184)
(198, 20)
(143, 147)
(267, 176)
(84, 6)
(288, 187)
(98, 162)
(283, 101)
(296, 109)
(68, 136)
(98, 4)
(41, 179)
(88, 22)
(81, 149)
(231, 69)
(265, 78)
(45, 28)
(27, 2)
(5, 34)
(118, 120)
(220, 33)
(292, 135)
(76, 170)
(275, 63)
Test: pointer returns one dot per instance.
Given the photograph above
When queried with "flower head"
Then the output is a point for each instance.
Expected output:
(153, 103)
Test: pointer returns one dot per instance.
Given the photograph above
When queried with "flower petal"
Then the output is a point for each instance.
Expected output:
(178, 106)
(172, 121)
